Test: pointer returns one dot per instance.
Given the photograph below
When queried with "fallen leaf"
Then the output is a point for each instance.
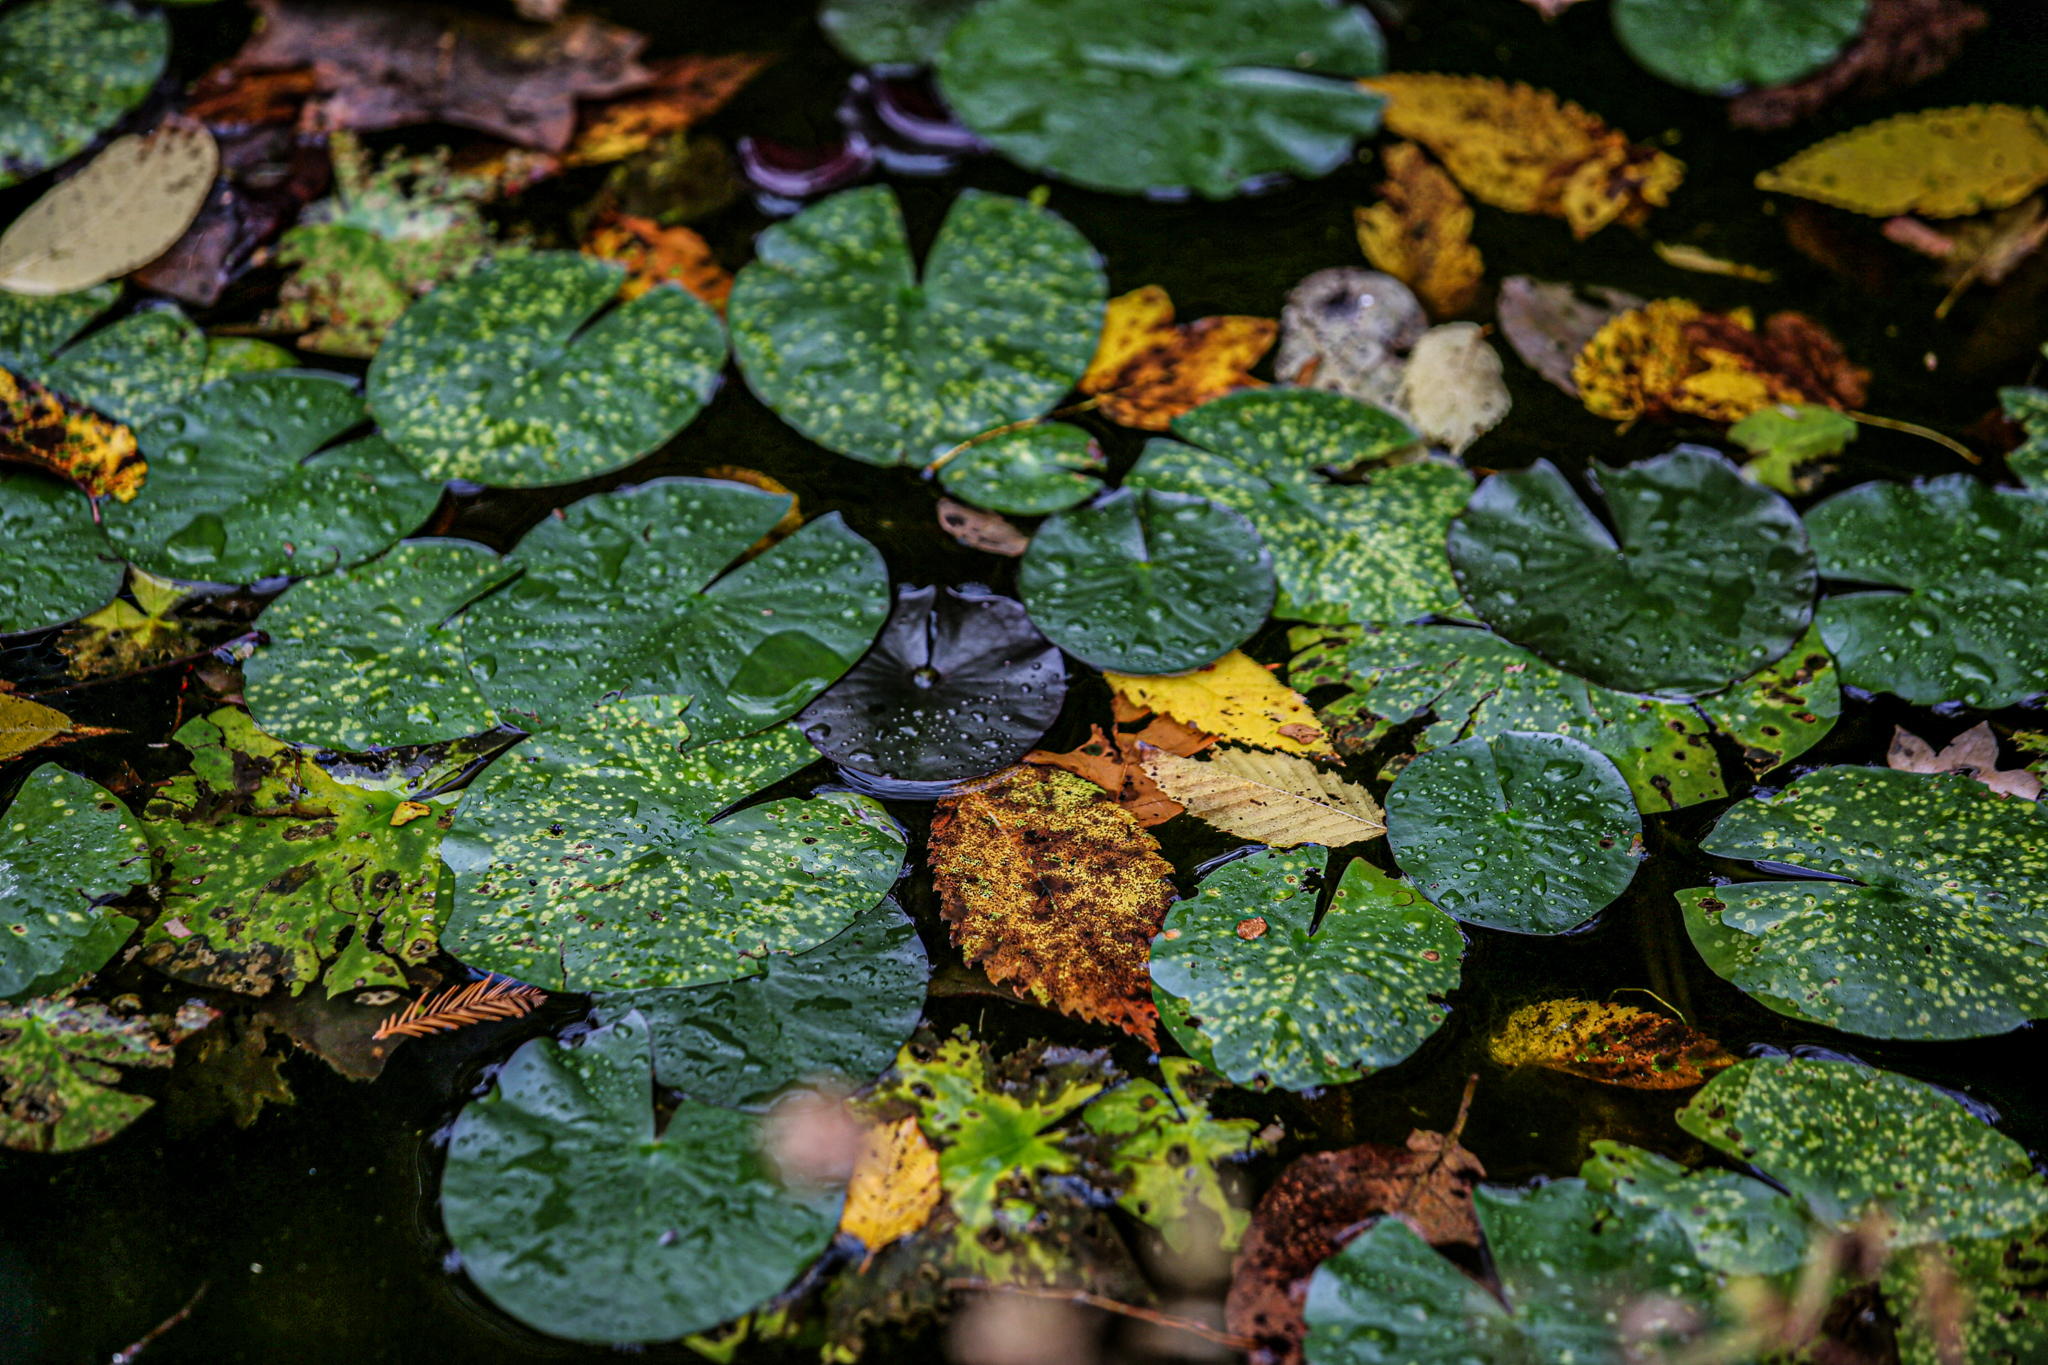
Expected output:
(682, 92)
(1147, 371)
(27, 725)
(1671, 356)
(895, 1185)
(1050, 885)
(1549, 324)
(979, 530)
(230, 1073)
(1453, 387)
(1973, 753)
(792, 520)
(1902, 43)
(1349, 331)
(1233, 698)
(124, 637)
(1943, 163)
(126, 208)
(1613, 1044)
(1114, 768)
(1277, 799)
(1523, 150)
(655, 255)
(50, 432)
(225, 99)
(58, 1060)
(1163, 1149)
(1685, 257)
(1982, 250)
(1420, 232)
(1789, 446)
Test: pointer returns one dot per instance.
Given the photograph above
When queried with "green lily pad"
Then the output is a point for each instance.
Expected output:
(59, 1062)
(574, 1216)
(68, 70)
(57, 561)
(634, 592)
(1937, 1170)
(1046, 467)
(1999, 1279)
(126, 371)
(1530, 833)
(835, 1013)
(280, 875)
(243, 484)
(1736, 1223)
(242, 355)
(589, 859)
(1937, 934)
(2029, 460)
(1718, 47)
(1166, 1147)
(369, 657)
(1154, 95)
(1341, 552)
(1272, 1003)
(1783, 710)
(68, 845)
(890, 32)
(1706, 579)
(503, 377)
(834, 330)
(1964, 613)
(1147, 582)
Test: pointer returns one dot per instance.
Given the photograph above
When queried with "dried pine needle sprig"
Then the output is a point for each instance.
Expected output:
(460, 1006)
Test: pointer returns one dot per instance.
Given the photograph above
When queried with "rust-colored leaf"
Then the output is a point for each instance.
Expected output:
(1421, 232)
(657, 255)
(979, 530)
(229, 100)
(460, 1006)
(1111, 763)
(47, 430)
(1613, 1044)
(1902, 43)
(685, 91)
(1052, 886)
(1673, 357)
(1148, 371)
(1973, 753)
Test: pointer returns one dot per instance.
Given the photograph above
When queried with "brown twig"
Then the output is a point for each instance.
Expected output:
(128, 1355)
(1109, 1305)
(460, 1006)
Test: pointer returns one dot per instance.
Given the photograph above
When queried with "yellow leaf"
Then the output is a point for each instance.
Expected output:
(1234, 698)
(1147, 371)
(51, 432)
(1647, 362)
(1943, 163)
(1420, 232)
(1277, 799)
(26, 725)
(895, 1185)
(1685, 257)
(1614, 1044)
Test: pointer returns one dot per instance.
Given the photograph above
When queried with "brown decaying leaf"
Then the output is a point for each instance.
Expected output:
(895, 1185)
(1051, 886)
(1421, 232)
(1902, 43)
(1147, 371)
(1973, 753)
(1673, 357)
(1278, 799)
(1111, 763)
(1324, 1200)
(460, 1006)
(979, 530)
(657, 255)
(1549, 324)
(124, 637)
(50, 432)
(228, 100)
(1614, 1044)
(1984, 250)
(792, 520)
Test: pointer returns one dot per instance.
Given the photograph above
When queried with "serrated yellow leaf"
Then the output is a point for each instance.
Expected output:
(1943, 163)
(895, 1185)
(1421, 232)
(1233, 698)
(1277, 799)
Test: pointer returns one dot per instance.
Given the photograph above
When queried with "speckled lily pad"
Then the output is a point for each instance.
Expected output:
(890, 32)
(1736, 1223)
(66, 844)
(68, 69)
(1046, 467)
(127, 370)
(57, 561)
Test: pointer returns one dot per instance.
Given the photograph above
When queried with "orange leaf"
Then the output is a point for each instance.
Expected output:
(47, 430)
(686, 91)
(1116, 770)
(1420, 232)
(1613, 1044)
(1147, 371)
(657, 255)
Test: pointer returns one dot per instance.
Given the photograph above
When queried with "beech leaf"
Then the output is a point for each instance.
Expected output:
(1276, 799)
(1233, 699)
(1943, 163)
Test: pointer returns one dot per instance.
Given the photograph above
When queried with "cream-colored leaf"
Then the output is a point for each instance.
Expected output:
(1277, 799)
(1453, 386)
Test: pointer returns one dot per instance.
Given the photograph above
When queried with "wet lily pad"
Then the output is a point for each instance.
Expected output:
(1736, 1223)
(1706, 578)
(1147, 582)
(1719, 47)
(127, 370)
(634, 592)
(572, 1215)
(1046, 467)
(1258, 998)
(508, 375)
(1930, 932)
(369, 657)
(1526, 832)
(834, 1014)
(835, 330)
(67, 845)
(890, 32)
(1212, 96)
(57, 561)
(589, 858)
(959, 684)
(2000, 1281)
(68, 70)
(1962, 614)
(59, 1062)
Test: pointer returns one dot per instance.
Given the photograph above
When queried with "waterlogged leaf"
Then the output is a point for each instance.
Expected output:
(1973, 753)
(1735, 1223)
(589, 858)
(1530, 833)
(371, 656)
(1276, 799)
(1452, 388)
(834, 1014)
(1789, 444)
(1234, 699)
(1706, 577)
(1345, 330)
(895, 1187)
(1276, 1005)
(835, 330)
(57, 560)
(1044, 467)
(1671, 358)
(1145, 581)
(1147, 371)
(1943, 163)
(1931, 938)
(1613, 1044)
(126, 208)
(1051, 886)
(983, 531)
(574, 1216)
(1166, 1148)
(61, 1058)
(68, 846)
(1971, 1299)
(1939, 1171)
(494, 377)
(1962, 615)
(46, 431)
(68, 70)
(653, 254)
(1214, 96)
(890, 32)
(1420, 232)
(1714, 46)
(123, 637)
(1901, 44)
(633, 592)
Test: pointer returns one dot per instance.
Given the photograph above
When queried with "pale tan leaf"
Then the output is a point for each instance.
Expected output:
(1973, 753)
(1277, 799)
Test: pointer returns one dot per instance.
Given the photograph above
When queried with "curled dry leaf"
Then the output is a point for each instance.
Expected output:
(1983, 250)
(1277, 799)
(1943, 163)
(1233, 698)
(1420, 232)
(1902, 43)
(1685, 257)
(1549, 324)
(979, 530)
(1453, 386)
(655, 255)
(895, 1186)
(1973, 753)
(50, 432)
(1614, 1044)
(1671, 357)
(1148, 371)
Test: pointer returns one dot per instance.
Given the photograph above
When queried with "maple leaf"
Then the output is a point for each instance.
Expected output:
(1902, 43)
(655, 255)
(1147, 371)
(895, 1185)
(1614, 1044)
(45, 429)
(1053, 887)
(1279, 800)
(1420, 232)
(1233, 698)
(1944, 163)
(1973, 753)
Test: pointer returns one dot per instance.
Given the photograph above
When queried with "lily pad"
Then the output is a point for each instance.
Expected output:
(835, 1014)
(1936, 1169)
(57, 561)
(890, 32)
(1927, 924)
(244, 484)
(1267, 1001)
(1706, 577)
(2000, 1279)
(145, 361)
(634, 592)
(1720, 47)
(1530, 833)
(590, 858)
(1963, 614)
(68, 70)
(573, 1215)
(1736, 1223)
(68, 846)
(1147, 582)
(1341, 552)
(1045, 467)
(59, 1062)
(836, 332)
(508, 375)
(371, 656)
(1213, 96)
(958, 685)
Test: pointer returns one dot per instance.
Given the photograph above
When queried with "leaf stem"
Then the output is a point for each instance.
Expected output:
(1109, 1305)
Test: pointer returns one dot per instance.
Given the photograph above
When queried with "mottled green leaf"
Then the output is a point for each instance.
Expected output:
(890, 32)
(2000, 1282)
(1720, 46)
(1781, 711)
(1166, 1148)
(1735, 1223)
(67, 845)
(836, 332)
(242, 355)
(68, 70)
(1788, 444)
(1046, 467)
(145, 361)
(59, 1062)
(57, 563)
(34, 327)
